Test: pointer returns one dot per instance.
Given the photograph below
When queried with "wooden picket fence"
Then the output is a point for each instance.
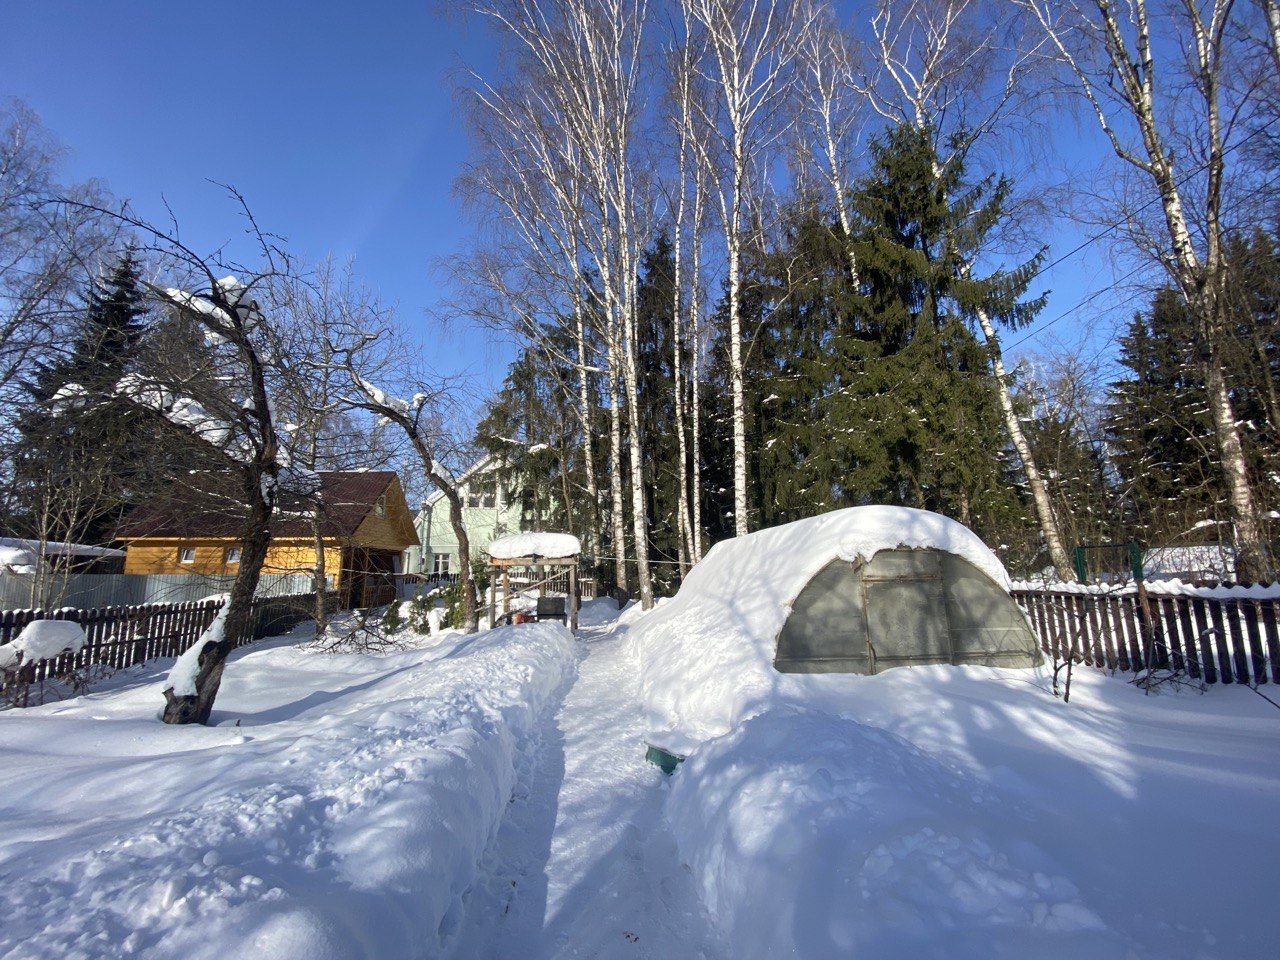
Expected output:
(1210, 639)
(119, 637)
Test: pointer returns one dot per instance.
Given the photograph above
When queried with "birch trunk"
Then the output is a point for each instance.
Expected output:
(1130, 88)
(586, 417)
(618, 521)
(1039, 489)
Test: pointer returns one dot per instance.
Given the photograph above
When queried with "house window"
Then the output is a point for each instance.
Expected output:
(485, 496)
(186, 554)
(441, 566)
(232, 556)
(380, 507)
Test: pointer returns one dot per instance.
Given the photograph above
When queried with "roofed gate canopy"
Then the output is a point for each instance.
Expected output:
(536, 552)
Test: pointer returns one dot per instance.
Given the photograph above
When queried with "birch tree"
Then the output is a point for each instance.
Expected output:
(832, 113)
(1155, 77)
(688, 218)
(750, 53)
(584, 68)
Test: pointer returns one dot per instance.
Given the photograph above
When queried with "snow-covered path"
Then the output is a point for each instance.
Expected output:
(585, 864)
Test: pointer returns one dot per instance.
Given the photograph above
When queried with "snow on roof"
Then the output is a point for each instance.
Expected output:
(19, 559)
(549, 546)
(707, 654)
(55, 548)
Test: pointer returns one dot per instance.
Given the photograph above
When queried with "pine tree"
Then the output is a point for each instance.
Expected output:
(81, 447)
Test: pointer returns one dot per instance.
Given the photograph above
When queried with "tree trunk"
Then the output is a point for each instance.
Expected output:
(1039, 489)
(197, 707)
(595, 538)
(1254, 563)
(615, 478)
(319, 576)
(639, 513)
(470, 600)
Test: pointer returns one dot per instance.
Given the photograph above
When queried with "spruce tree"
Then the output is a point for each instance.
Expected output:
(80, 447)
(1158, 427)
(1159, 431)
(913, 405)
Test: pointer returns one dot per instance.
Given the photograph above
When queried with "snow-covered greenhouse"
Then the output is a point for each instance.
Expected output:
(905, 588)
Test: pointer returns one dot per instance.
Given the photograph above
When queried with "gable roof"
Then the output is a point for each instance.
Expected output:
(487, 464)
(205, 505)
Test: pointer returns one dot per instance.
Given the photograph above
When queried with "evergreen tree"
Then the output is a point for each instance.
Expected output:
(1159, 431)
(655, 357)
(912, 408)
(532, 428)
(1158, 427)
(81, 449)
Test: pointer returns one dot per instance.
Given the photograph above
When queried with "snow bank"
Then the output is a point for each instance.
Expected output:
(339, 809)
(551, 546)
(19, 560)
(813, 836)
(45, 639)
(707, 655)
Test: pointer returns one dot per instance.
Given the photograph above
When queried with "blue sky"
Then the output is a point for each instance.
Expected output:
(335, 120)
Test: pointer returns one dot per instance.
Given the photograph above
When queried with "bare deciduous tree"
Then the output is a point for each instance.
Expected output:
(578, 117)
(1176, 134)
(751, 46)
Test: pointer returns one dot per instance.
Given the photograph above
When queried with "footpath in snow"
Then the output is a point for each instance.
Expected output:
(585, 864)
(487, 798)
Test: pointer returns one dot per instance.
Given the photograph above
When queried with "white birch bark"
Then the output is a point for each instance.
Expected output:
(1114, 58)
(585, 62)
(752, 47)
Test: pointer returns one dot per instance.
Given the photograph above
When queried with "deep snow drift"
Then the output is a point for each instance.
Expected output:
(486, 797)
(339, 808)
(947, 811)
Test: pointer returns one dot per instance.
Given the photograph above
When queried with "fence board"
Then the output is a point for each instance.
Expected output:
(1253, 637)
(1219, 639)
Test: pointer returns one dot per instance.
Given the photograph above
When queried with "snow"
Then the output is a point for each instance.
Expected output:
(54, 548)
(185, 412)
(182, 678)
(549, 546)
(487, 796)
(43, 639)
(340, 808)
(19, 559)
(737, 599)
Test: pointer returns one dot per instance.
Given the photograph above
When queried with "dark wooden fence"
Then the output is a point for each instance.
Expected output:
(119, 637)
(1213, 639)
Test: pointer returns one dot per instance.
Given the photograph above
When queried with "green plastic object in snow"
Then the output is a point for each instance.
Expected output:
(664, 760)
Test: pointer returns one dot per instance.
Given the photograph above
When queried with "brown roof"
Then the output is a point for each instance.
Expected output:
(210, 505)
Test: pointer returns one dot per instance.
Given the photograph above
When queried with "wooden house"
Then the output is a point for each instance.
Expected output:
(365, 529)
